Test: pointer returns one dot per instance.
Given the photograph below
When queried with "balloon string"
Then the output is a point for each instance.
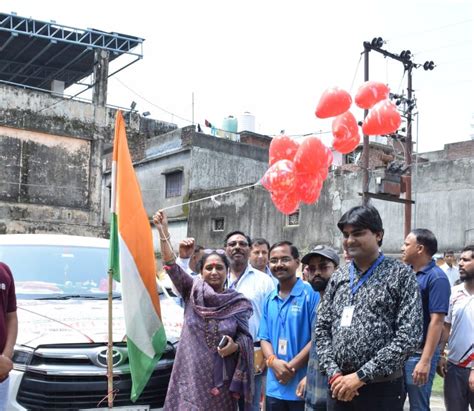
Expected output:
(400, 85)
(212, 197)
(355, 74)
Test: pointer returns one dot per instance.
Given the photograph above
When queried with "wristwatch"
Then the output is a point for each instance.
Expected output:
(363, 376)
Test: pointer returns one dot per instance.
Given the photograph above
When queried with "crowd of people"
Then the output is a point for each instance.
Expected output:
(362, 334)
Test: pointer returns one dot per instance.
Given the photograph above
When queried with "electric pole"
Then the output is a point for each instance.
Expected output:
(405, 57)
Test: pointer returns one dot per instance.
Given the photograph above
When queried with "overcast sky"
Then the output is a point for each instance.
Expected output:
(275, 58)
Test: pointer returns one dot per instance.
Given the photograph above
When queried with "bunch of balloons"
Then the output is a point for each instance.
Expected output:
(296, 171)
(383, 117)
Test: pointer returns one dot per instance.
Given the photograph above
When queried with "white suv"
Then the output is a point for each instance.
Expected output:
(60, 356)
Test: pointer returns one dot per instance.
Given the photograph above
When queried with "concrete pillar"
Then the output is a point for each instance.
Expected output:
(101, 71)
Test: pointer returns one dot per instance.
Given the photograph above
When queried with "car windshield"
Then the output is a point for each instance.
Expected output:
(52, 271)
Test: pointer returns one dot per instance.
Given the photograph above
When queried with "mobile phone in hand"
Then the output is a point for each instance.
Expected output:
(223, 342)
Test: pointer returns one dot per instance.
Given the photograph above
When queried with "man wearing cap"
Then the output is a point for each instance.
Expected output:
(320, 263)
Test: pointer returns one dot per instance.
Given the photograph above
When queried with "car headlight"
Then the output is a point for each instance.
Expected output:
(22, 357)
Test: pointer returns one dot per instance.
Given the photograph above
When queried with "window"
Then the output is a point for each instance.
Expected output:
(218, 224)
(353, 158)
(293, 219)
(174, 184)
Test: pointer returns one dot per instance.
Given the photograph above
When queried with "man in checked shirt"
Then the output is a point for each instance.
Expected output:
(369, 320)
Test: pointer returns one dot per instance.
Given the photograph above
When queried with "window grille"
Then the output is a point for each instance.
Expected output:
(218, 224)
(293, 219)
(174, 184)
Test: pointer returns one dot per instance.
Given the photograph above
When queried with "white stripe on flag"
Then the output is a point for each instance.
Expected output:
(141, 319)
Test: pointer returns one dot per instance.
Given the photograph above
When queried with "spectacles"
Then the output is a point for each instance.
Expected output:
(240, 243)
(284, 260)
(219, 251)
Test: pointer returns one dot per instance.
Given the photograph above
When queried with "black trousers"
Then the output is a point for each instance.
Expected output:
(379, 396)
(275, 404)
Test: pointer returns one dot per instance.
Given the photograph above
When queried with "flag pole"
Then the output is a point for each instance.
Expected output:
(110, 346)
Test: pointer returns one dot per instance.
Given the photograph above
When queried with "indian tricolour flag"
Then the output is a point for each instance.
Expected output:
(132, 261)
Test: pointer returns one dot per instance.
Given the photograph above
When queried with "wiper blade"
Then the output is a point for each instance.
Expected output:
(58, 297)
(79, 296)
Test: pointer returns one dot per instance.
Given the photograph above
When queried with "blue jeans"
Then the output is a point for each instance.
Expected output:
(419, 396)
(4, 394)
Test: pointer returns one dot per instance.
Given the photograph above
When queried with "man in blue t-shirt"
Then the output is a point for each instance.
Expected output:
(418, 250)
(285, 329)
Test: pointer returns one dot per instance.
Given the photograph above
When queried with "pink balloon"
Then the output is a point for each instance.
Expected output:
(333, 102)
(382, 119)
(280, 177)
(311, 156)
(345, 126)
(282, 148)
(287, 203)
(370, 93)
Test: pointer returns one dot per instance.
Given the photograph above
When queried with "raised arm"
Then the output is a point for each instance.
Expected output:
(181, 280)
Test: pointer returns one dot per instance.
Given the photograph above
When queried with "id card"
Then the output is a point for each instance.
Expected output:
(347, 314)
(282, 345)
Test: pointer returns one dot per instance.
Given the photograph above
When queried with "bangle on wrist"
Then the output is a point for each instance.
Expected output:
(169, 262)
(166, 238)
(270, 360)
(334, 377)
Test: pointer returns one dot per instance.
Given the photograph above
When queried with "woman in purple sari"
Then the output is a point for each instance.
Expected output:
(205, 377)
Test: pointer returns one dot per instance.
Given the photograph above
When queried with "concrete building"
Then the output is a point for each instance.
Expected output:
(184, 164)
(50, 144)
(442, 189)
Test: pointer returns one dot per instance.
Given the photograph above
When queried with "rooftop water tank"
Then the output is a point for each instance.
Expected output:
(230, 124)
(247, 122)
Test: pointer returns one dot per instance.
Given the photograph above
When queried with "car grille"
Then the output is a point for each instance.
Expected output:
(49, 383)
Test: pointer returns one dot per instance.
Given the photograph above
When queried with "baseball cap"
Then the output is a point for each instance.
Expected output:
(322, 250)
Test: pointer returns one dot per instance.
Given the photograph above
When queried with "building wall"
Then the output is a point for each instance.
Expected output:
(51, 152)
(445, 199)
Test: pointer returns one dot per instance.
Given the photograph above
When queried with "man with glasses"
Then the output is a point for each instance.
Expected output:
(285, 329)
(320, 263)
(252, 283)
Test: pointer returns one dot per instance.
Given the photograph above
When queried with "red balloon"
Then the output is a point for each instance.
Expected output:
(282, 148)
(333, 102)
(345, 146)
(308, 187)
(345, 126)
(287, 203)
(280, 177)
(323, 173)
(311, 156)
(370, 93)
(382, 119)
(329, 157)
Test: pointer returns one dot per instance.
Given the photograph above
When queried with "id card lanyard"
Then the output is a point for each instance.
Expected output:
(364, 278)
(348, 311)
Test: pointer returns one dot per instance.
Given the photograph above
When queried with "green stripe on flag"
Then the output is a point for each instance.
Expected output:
(141, 365)
(114, 263)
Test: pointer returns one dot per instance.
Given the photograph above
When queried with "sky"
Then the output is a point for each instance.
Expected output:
(275, 58)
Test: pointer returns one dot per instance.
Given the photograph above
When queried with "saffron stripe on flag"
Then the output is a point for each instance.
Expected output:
(132, 259)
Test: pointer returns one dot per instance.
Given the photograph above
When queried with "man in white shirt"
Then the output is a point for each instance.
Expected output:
(458, 368)
(252, 283)
(449, 267)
